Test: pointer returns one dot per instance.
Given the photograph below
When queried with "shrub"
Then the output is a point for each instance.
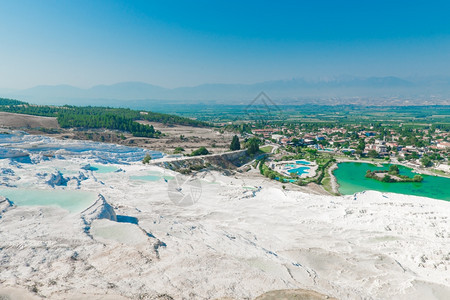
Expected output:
(200, 151)
(417, 178)
(146, 159)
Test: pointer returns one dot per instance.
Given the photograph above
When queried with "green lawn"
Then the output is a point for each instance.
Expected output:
(266, 149)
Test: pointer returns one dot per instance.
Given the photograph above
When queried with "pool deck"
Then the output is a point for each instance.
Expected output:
(281, 168)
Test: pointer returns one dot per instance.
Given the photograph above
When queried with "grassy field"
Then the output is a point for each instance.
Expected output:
(266, 149)
(326, 183)
(343, 114)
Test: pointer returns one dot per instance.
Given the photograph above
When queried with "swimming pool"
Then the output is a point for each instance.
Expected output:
(299, 171)
(303, 162)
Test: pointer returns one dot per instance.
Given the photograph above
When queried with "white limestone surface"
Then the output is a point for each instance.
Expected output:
(234, 242)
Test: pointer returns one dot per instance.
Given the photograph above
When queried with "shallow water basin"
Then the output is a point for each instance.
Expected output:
(103, 169)
(73, 201)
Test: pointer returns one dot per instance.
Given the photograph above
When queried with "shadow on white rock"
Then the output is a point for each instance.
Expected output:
(99, 210)
(123, 229)
(5, 205)
(56, 179)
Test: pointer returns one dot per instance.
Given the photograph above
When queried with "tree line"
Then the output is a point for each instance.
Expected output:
(122, 119)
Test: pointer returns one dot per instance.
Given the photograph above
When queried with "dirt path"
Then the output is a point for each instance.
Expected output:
(298, 294)
(333, 180)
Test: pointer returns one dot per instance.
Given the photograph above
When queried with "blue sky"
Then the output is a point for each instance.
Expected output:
(185, 43)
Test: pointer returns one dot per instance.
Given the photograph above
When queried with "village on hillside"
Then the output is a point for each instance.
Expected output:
(416, 146)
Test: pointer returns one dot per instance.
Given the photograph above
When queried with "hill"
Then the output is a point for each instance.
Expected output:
(89, 117)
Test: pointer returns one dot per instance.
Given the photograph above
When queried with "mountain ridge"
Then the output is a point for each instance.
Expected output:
(296, 88)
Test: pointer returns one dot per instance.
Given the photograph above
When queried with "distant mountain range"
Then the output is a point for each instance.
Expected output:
(338, 90)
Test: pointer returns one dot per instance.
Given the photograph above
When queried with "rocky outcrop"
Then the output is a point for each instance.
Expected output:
(12, 153)
(99, 210)
(81, 176)
(40, 157)
(75, 181)
(56, 179)
(227, 161)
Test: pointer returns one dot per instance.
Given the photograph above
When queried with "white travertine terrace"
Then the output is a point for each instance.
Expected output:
(234, 242)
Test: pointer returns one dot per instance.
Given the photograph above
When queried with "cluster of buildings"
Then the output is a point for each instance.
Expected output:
(343, 140)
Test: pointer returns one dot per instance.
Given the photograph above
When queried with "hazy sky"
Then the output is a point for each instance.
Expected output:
(184, 43)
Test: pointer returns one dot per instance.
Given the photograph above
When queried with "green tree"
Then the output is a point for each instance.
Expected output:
(426, 162)
(393, 170)
(252, 145)
(361, 145)
(235, 144)
(373, 154)
(386, 178)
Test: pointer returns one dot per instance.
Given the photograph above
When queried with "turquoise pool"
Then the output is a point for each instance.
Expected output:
(286, 180)
(300, 170)
(351, 179)
(151, 176)
(73, 201)
(146, 178)
(103, 169)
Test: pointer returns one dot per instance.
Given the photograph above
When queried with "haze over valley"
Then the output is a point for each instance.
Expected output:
(331, 91)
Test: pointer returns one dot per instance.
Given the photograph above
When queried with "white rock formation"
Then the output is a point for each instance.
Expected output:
(5, 205)
(56, 179)
(10, 153)
(99, 210)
